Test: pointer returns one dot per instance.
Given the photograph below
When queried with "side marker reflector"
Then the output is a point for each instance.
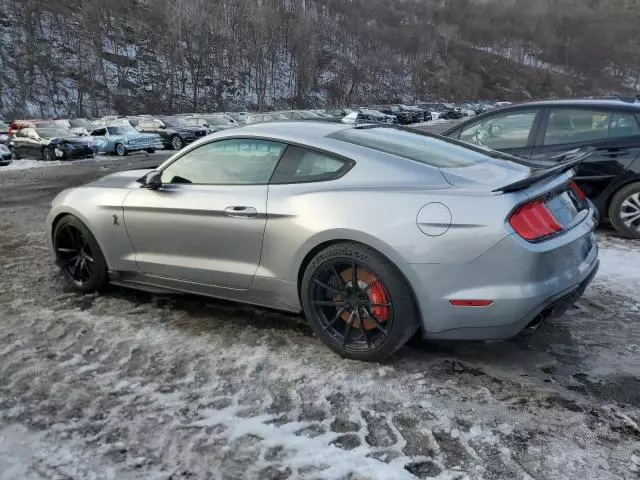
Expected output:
(471, 303)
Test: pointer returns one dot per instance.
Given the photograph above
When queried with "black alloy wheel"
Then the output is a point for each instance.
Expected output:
(358, 303)
(624, 210)
(78, 255)
(176, 142)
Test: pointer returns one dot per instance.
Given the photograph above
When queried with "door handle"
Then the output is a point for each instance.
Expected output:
(239, 211)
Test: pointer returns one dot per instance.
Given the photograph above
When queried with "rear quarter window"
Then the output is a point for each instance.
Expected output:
(439, 152)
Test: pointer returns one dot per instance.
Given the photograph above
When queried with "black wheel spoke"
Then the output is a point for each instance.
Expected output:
(328, 287)
(335, 319)
(347, 329)
(88, 258)
(354, 277)
(341, 281)
(85, 267)
(65, 250)
(378, 323)
(362, 329)
(328, 303)
(70, 236)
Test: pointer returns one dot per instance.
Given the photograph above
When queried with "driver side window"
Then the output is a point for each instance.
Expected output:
(226, 162)
(501, 132)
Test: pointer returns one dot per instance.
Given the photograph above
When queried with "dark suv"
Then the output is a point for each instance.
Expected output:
(539, 130)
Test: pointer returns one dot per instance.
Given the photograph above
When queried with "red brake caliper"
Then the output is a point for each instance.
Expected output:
(376, 293)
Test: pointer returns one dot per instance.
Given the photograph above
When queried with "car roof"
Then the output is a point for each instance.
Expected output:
(581, 103)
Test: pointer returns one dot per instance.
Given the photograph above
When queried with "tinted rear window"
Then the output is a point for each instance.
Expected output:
(432, 150)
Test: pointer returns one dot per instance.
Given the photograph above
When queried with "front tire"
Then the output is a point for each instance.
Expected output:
(78, 255)
(121, 151)
(176, 142)
(624, 211)
(151, 150)
(358, 302)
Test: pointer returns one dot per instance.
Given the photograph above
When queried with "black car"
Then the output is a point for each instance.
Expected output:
(446, 112)
(540, 130)
(50, 143)
(402, 117)
(175, 132)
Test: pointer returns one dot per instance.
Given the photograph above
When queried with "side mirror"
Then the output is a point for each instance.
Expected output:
(152, 180)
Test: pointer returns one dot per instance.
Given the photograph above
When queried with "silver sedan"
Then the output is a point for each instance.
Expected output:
(374, 233)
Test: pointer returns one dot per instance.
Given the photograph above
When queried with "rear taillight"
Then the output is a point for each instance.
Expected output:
(575, 188)
(534, 221)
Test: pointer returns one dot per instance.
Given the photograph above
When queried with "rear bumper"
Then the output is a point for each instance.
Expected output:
(523, 281)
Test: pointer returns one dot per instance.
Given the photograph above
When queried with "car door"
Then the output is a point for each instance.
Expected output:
(512, 132)
(100, 139)
(206, 223)
(615, 135)
(30, 143)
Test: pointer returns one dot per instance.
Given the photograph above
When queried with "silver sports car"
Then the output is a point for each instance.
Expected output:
(374, 232)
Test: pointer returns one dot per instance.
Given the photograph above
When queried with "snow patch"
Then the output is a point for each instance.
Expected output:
(620, 270)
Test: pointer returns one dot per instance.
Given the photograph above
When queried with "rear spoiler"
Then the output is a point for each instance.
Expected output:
(567, 161)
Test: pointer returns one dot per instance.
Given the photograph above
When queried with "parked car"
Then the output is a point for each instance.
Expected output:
(401, 117)
(80, 126)
(240, 117)
(122, 140)
(211, 124)
(5, 155)
(461, 260)
(300, 115)
(50, 143)
(539, 130)
(174, 131)
(446, 112)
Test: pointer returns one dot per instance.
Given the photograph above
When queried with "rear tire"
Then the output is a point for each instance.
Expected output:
(151, 150)
(367, 323)
(47, 155)
(78, 255)
(624, 211)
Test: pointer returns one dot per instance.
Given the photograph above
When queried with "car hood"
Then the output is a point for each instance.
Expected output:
(124, 179)
(73, 140)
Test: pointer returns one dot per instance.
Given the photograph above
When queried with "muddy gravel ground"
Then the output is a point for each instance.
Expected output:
(126, 385)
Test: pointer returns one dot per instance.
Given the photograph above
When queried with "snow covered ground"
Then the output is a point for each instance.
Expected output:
(126, 385)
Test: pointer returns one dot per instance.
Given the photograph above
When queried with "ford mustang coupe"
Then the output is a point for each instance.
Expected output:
(373, 232)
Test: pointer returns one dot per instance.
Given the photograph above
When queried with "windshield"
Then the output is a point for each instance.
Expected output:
(54, 132)
(440, 152)
(123, 130)
(174, 122)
